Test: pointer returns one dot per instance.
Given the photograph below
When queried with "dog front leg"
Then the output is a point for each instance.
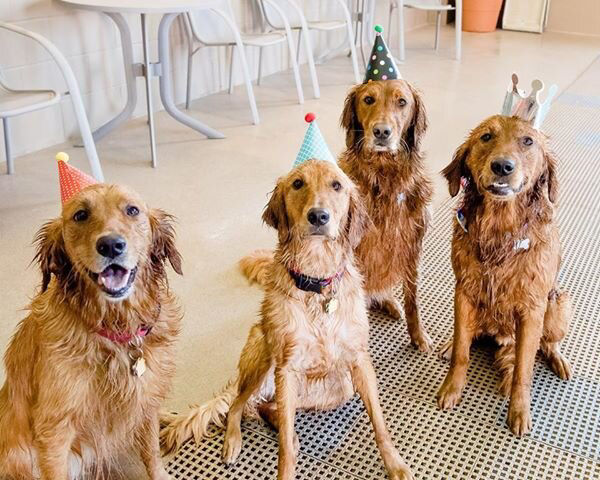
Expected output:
(53, 440)
(464, 321)
(529, 333)
(365, 383)
(418, 335)
(148, 442)
(286, 396)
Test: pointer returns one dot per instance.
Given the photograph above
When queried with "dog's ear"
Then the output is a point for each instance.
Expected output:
(163, 240)
(358, 222)
(418, 125)
(349, 119)
(275, 214)
(457, 168)
(551, 177)
(50, 252)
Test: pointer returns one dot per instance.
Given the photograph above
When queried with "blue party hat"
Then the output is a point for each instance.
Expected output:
(314, 145)
(381, 64)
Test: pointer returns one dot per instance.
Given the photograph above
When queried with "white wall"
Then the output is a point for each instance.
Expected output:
(575, 16)
(91, 43)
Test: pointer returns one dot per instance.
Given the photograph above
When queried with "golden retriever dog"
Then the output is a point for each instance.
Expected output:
(309, 350)
(385, 122)
(506, 256)
(89, 367)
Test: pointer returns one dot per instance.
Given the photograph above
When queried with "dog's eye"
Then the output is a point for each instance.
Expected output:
(132, 210)
(337, 186)
(486, 137)
(298, 184)
(402, 102)
(527, 141)
(369, 100)
(81, 215)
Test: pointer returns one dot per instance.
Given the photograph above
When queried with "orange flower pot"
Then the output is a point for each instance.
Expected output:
(480, 15)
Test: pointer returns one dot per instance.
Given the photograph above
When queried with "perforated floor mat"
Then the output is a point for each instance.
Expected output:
(472, 441)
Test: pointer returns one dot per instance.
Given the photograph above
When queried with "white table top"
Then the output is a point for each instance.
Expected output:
(141, 6)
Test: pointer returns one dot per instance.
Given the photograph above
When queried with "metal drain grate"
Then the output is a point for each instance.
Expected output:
(470, 442)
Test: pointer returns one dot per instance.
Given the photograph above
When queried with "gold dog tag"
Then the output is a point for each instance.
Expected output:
(331, 305)
(139, 367)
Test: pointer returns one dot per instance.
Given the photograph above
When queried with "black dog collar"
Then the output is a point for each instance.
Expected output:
(312, 284)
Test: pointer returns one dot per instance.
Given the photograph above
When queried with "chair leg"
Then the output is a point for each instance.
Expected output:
(10, 167)
(393, 7)
(402, 55)
(458, 33)
(438, 23)
(190, 74)
(298, 46)
(231, 70)
(260, 62)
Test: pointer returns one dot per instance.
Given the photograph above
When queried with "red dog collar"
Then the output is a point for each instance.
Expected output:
(123, 337)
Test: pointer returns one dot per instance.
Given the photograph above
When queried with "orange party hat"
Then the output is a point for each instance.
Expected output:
(72, 180)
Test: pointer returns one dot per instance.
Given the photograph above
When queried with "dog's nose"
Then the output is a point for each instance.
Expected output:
(382, 131)
(318, 216)
(503, 166)
(111, 246)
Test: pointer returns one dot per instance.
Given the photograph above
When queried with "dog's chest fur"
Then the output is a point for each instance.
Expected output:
(396, 197)
(493, 287)
(316, 343)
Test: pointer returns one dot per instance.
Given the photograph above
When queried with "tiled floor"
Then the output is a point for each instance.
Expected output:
(218, 188)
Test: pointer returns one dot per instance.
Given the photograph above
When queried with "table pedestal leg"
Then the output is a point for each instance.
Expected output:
(130, 76)
(166, 88)
(148, 78)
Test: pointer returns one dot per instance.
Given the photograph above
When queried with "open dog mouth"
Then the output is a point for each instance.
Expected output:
(502, 189)
(115, 280)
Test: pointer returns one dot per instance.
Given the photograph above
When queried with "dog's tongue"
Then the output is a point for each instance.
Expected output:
(114, 277)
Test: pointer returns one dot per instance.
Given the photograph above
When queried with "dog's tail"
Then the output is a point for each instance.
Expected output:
(255, 266)
(176, 429)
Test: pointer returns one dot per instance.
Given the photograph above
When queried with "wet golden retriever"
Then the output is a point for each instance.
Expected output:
(506, 256)
(385, 122)
(89, 367)
(310, 348)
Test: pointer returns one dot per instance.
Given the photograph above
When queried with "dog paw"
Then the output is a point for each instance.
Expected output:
(561, 367)
(445, 352)
(422, 341)
(401, 473)
(449, 395)
(232, 448)
(162, 475)
(519, 420)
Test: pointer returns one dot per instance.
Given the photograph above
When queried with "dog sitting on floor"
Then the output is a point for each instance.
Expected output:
(506, 256)
(309, 350)
(385, 122)
(89, 367)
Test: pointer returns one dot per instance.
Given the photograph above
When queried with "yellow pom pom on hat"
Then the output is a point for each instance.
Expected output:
(71, 180)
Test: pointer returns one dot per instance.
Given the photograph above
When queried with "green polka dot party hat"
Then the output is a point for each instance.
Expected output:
(314, 145)
(381, 64)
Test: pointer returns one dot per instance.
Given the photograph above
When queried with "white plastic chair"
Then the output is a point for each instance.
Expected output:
(427, 5)
(216, 28)
(18, 102)
(298, 22)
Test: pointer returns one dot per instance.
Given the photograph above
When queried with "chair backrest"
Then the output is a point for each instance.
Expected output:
(209, 27)
(425, 3)
(273, 18)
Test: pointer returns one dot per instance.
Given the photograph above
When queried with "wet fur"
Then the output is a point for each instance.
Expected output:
(509, 295)
(389, 253)
(70, 404)
(297, 356)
